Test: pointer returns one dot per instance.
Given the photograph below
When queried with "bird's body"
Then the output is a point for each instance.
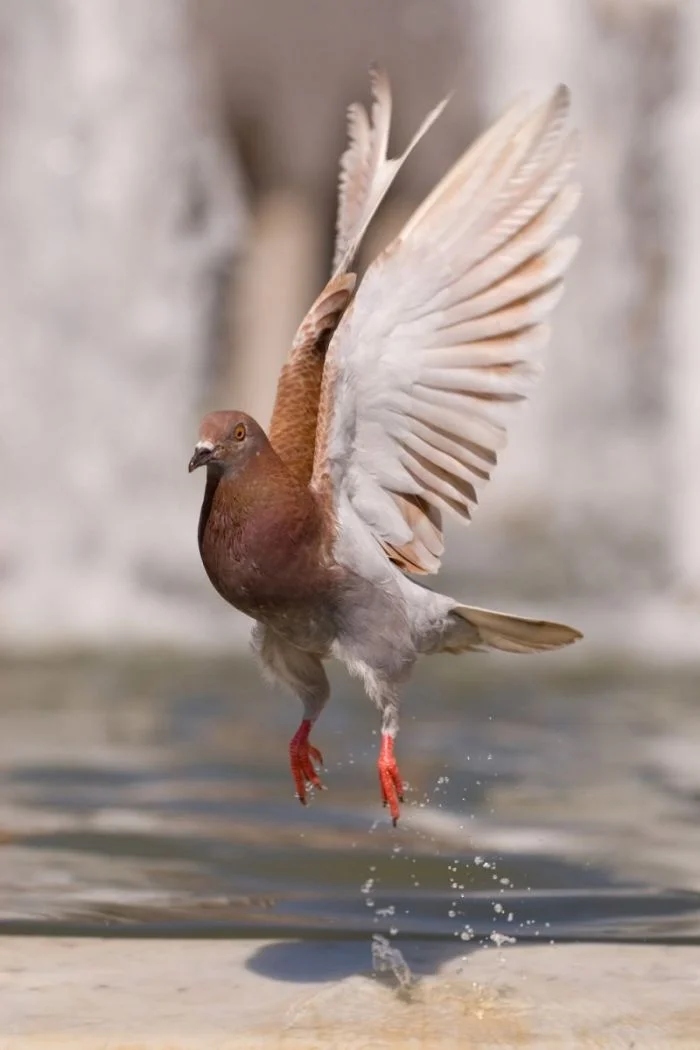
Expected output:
(389, 411)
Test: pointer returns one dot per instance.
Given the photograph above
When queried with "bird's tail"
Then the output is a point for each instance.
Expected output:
(472, 628)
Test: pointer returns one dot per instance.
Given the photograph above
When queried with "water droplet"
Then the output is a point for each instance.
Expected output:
(499, 939)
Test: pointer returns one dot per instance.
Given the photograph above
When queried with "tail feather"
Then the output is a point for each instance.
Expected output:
(511, 634)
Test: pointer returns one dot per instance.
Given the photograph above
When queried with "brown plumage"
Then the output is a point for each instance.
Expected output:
(293, 424)
(392, 408)
(260, 529)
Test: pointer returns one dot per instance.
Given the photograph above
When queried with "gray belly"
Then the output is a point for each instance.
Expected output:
(311, 626)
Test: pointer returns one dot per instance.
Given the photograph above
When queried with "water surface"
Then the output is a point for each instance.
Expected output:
(153, 797)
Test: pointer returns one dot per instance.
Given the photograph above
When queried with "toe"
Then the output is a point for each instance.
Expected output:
(303, 758)
(315, 755)
(296, 762)
(397, 781)
(310, 773)
(390, 796)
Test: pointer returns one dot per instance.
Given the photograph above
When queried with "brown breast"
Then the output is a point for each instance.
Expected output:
(261, 540)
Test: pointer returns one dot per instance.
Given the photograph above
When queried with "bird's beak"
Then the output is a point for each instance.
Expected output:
(202, 454)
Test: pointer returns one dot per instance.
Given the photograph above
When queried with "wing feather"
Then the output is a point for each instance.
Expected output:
(366, 172)
(295, 413)
(365, 176)
(445, 334)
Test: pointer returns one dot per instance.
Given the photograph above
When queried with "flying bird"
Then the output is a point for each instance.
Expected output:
(391, 409)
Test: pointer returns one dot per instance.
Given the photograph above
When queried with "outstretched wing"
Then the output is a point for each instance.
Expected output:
(444, 334)
(365, 176)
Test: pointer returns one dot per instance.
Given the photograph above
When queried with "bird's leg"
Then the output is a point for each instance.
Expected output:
(389, 777)
(304, 673)
(312, 686)
(302, 756)
(390, 780)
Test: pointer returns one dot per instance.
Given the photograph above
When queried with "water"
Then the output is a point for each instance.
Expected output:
(154, 798)
(386, 959)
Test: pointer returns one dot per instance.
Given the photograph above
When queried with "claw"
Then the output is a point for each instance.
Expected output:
(389, 778)
(302, 756)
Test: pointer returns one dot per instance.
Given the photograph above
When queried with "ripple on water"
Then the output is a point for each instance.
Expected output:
(156, 800)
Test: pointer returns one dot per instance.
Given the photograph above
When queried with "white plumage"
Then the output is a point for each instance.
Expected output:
(447, 327)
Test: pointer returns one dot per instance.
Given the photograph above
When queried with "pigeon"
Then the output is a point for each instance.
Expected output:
(391, 410)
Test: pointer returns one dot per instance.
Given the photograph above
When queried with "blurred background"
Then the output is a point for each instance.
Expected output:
(167, 194)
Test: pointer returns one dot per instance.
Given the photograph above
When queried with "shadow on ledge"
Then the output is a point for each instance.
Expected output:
(321, 960)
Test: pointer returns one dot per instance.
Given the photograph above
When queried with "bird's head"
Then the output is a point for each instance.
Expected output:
(227, 441)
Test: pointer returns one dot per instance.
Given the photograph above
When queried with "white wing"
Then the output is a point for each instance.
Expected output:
(444, 336)
(366, 172)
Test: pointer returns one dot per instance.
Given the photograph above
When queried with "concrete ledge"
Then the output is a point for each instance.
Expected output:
(220, 995)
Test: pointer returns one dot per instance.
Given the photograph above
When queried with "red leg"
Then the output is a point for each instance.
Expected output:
(389, 777)
(302, 756)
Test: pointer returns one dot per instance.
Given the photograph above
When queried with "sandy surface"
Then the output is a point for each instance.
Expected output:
(215, 995)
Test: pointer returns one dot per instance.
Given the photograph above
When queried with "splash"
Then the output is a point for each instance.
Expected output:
(386, 959)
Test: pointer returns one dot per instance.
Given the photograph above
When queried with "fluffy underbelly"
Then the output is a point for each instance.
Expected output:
(309, 627)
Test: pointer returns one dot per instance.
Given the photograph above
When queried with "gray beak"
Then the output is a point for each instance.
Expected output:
(202, 454)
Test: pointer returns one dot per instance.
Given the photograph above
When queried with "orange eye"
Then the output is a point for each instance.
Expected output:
(239, 432)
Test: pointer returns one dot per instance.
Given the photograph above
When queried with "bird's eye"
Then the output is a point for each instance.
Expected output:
(239, 432)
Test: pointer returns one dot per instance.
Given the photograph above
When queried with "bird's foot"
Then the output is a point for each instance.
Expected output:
(389, 777)
(302, 756)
